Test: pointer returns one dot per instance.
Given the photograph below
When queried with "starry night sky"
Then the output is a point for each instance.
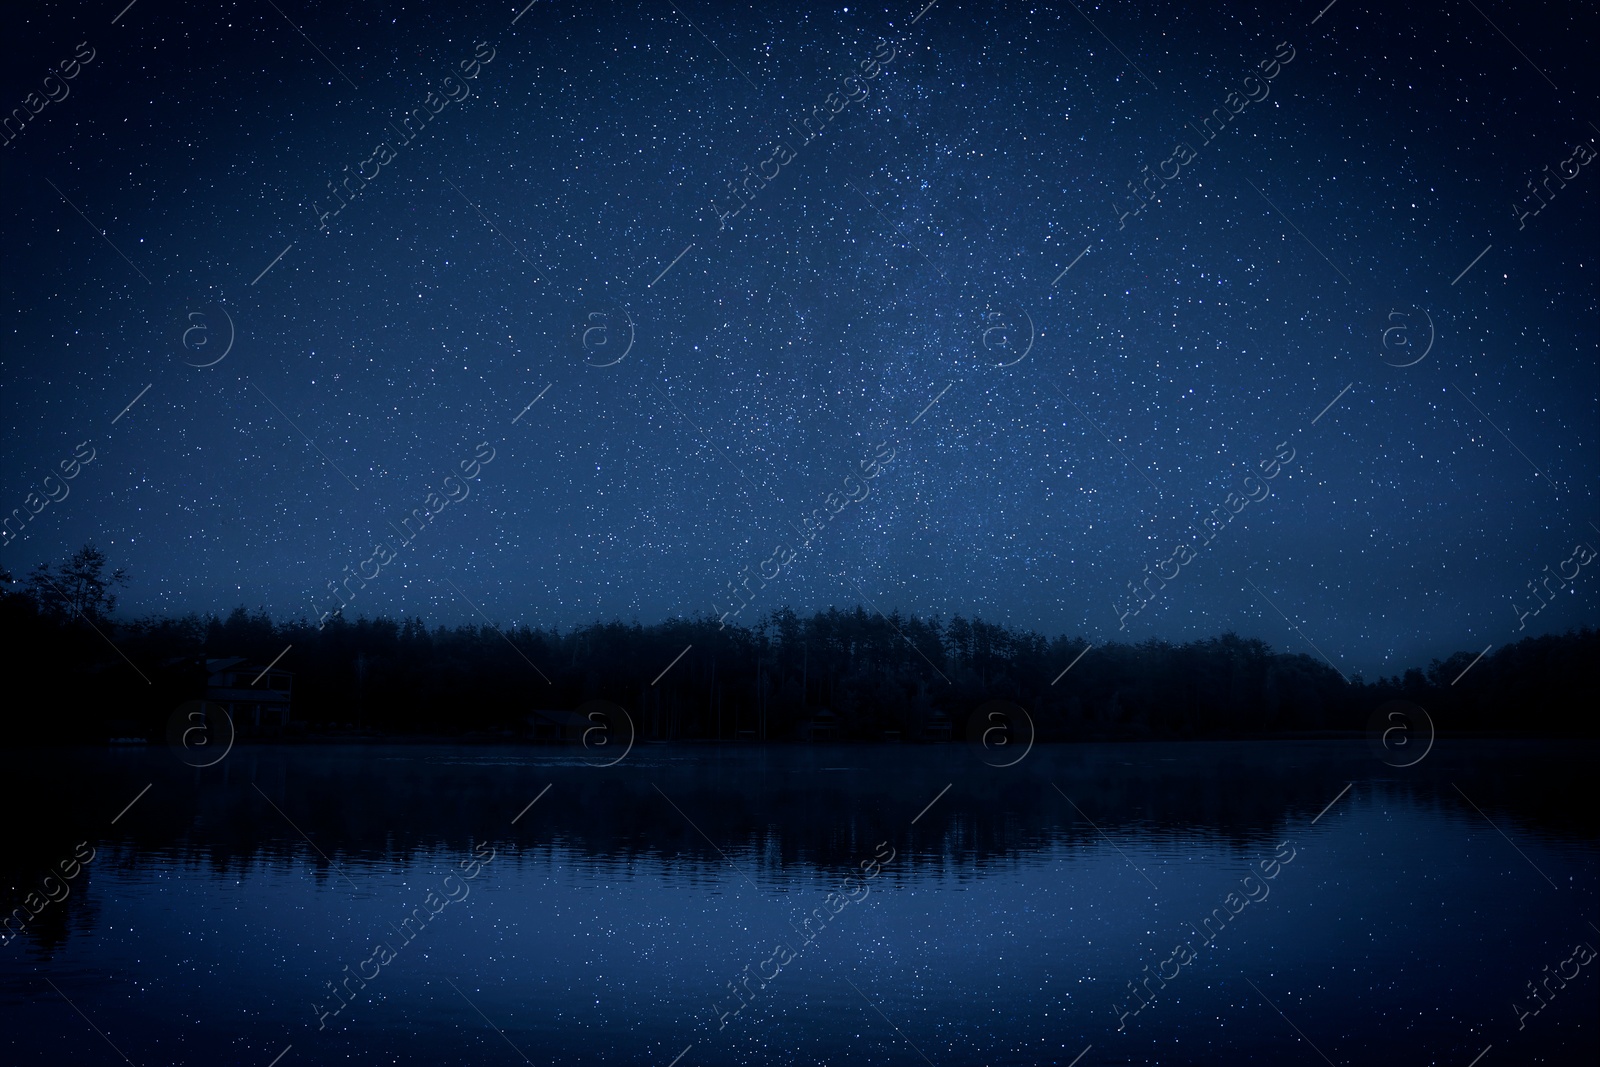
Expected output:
(939, 272)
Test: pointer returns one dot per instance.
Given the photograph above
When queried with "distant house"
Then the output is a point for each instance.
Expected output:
(936, 727)
(823, 725)
(558, 725)
(255, 698)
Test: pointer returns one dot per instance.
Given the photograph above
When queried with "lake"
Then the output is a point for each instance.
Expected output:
(1233, 903)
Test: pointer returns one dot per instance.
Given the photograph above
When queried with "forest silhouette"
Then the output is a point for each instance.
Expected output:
(866, 675)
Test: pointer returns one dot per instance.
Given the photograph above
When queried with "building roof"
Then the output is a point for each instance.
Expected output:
(242, 665)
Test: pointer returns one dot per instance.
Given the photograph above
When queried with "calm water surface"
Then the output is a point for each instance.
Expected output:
(627, 914)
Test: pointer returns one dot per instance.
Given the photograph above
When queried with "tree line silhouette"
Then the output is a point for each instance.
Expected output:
(868, 676)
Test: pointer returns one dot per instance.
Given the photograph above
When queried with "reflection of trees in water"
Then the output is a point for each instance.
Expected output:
(777, 815)
(34, 851)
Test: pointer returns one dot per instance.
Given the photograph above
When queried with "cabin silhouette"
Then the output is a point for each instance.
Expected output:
(555, 725)
(255, 698)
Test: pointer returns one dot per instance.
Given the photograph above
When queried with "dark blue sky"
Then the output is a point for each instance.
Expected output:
(971, 195)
